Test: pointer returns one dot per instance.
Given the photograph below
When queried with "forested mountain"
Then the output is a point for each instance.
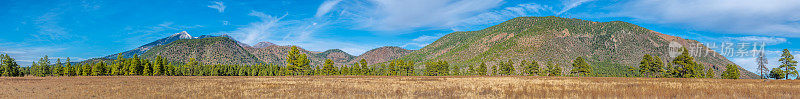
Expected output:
(140, 50)
(213, 50)
(180, 47)
(382, 54)
(612, 47)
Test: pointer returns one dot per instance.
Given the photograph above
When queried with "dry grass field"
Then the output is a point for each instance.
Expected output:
(390, 87)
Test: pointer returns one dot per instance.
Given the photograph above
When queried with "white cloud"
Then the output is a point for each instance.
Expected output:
(218, 5)
(393, 15)
(49, 28)
(749, 17)
(571, 4)
(416, 45)
(759, 39)
(498, 16)
(24, 53)
(424, 38)
(257, 31)
(326, 7)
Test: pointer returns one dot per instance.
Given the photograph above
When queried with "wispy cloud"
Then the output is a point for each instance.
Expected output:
(326, 7)
(49, 28)
(135, 36)
(402, 15)
(758, 39)
(218, 5)
(498, 16)
(748, 17)
(257, 31)
(25, 53)
(571, 4)
(422, 41)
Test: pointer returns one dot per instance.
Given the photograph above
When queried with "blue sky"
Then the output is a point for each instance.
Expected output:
(82, 29)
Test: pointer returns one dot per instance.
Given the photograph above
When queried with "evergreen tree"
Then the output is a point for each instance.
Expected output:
(364, 67)
(158, 66)
(87, 69)
(482, 69)
(710, 73)
(44, 69)
(470, 70)
(328, 67)
(777, 73)
(554, 69)
(507, 68)
(68, 70)
(134, 64)
(580, 67)
(531, 68)
(788, 64)
(10, 68)
(57, 68)
(97, 69)
(148, 68)
(455, 70)
(297, 63)
(731, 72)
(685, 66)
(494, 69)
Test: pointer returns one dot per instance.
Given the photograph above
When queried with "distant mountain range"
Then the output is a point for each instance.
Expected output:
(613, 46)
(181, 47)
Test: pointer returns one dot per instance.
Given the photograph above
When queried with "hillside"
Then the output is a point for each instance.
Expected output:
(144, 48)
(213, 50)
(382, 54)
(611, 46)
(276, 54)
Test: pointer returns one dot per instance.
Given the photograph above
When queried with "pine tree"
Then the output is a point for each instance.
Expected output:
(731, 72)
(328, 67)
(532, 68)
(87, 69)
(507, 68)
(482, 69)
(554, 69)
(158, 66)
(297, 63)
(645, 65)
(364, 67)
(710, 73)
(44, 69)
(455, 70)
(134, 64)
(685, 66)
(148, 69)
(97, 69)
(580, 67)
(494, 70)
(57, 68)
(788, 64)
(777, 73)
(10, 68)
(470, 70)
(68, 69)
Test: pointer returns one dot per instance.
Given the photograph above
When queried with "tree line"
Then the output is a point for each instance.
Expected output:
(682, 66)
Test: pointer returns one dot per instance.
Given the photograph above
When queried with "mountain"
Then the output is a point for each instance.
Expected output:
(262, 45)
(382, 54)
(211, 50)
(276, 54)
(141, 49)
(610, 46)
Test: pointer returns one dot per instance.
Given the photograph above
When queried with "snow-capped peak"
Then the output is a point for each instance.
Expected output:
(183, 35)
